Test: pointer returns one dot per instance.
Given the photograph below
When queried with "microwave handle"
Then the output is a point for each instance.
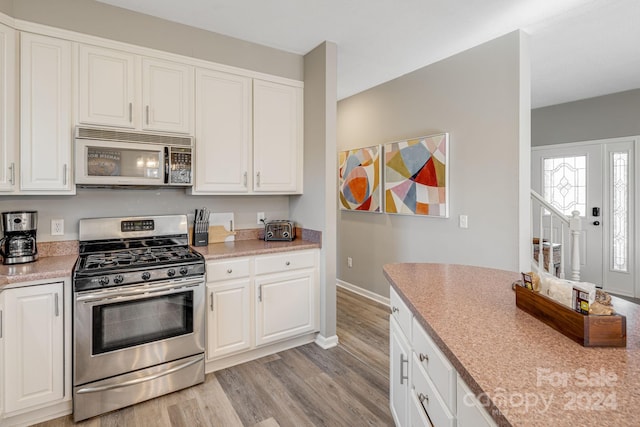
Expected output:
(166, 165)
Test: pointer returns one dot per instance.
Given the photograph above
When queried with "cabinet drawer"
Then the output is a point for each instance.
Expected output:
(435, 364)
(229, 269)
(471, 413)
(417, 415)
(429, 398)
(285, 262)
(400, 312)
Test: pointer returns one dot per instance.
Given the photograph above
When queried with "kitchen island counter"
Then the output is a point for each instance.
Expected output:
(525, 372)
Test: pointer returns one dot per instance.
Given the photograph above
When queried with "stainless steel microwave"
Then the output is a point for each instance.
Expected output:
(107, 157)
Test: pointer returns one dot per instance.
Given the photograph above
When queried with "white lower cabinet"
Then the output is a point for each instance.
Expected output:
(258, 303)
(34, 339)
(425, 389)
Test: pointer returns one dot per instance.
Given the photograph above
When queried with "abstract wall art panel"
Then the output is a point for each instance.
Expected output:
(416, 176)
(359, 179)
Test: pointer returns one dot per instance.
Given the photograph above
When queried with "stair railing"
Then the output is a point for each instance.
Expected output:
(568, 225)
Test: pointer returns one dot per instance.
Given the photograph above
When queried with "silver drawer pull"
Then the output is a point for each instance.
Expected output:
(287, 263)
(229, 270)
(423, 398)
(395, 310)
(423, 357)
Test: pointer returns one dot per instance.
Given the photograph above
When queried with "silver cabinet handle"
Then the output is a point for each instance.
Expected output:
(12, 175)
(258, 179)
(403, 360)
(229, 270)
(245, 179)
(211, 301)
(131, 112)
(260, 293)
(395, 310)
(147, 113)
(423, 357)
(57, 309)
(423, 398)
(64, 174)
(287, 263)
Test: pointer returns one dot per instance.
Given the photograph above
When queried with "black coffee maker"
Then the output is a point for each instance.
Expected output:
(19, 242)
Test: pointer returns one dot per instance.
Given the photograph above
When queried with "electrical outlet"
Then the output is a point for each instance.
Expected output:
(463, 221)
(261, 218)
(57, 227)
(349, 262)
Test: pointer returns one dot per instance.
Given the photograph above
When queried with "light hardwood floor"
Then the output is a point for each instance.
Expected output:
(347, 385)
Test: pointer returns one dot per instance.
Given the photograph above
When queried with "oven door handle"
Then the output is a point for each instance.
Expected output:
(124, 294)
(139, 380)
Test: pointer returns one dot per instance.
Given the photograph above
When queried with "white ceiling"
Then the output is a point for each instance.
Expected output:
(579, 48)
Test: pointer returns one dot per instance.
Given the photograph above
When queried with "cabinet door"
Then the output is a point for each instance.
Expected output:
(399, 351)
(167, 96)
(223, 132)
(277, 137)
(228, 318)
(34, 346)
(106, 91)
(286, 305)
(45, 114)
(8, 142)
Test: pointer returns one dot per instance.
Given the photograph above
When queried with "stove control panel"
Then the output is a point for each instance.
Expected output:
(137, 225)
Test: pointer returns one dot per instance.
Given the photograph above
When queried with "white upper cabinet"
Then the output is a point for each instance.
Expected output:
(8, 106)
(167, 96)
(122, 89)
(223, 133)
(277, 137)
(106, 82)
(45, 115)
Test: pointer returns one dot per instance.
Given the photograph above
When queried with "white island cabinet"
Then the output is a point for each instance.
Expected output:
(425, 389)
(35, 352)
(260, 305)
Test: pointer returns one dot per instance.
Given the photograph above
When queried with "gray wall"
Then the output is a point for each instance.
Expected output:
(98, 19)
(480, 97)
(607, 116)
(318, 203)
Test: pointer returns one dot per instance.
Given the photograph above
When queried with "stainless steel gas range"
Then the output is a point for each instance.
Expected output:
(138, 322)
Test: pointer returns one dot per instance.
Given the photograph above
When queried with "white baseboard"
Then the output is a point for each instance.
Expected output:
(326, 342)
(364, 292)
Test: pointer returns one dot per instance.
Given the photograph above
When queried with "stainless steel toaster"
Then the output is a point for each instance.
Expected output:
(279, 230)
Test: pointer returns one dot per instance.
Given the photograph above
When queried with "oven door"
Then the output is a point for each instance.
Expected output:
(119, 330)
(119, 163)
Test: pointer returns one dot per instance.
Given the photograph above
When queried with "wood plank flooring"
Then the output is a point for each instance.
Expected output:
(347, 385)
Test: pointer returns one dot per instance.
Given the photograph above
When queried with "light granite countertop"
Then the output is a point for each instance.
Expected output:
(530, 374)
(57, 259)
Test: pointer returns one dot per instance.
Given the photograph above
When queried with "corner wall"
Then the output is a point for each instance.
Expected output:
(481, 98)
(316, 208)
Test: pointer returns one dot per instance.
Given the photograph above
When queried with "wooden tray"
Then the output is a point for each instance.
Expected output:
(589, 331)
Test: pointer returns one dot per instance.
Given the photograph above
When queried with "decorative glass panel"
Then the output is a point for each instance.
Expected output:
(620, 211)
(565, 183)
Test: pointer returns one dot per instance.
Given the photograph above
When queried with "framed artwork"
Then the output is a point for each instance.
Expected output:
(359, 179)
(416, 176)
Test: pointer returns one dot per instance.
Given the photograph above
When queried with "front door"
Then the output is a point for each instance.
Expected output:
(596, 179)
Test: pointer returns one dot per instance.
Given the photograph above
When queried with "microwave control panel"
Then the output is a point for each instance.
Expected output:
(180, 161)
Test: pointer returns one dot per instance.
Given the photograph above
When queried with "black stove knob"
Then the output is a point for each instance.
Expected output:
(118, 279)
(104, 281)
(171, 272)
(184, 271)
(146, 275)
